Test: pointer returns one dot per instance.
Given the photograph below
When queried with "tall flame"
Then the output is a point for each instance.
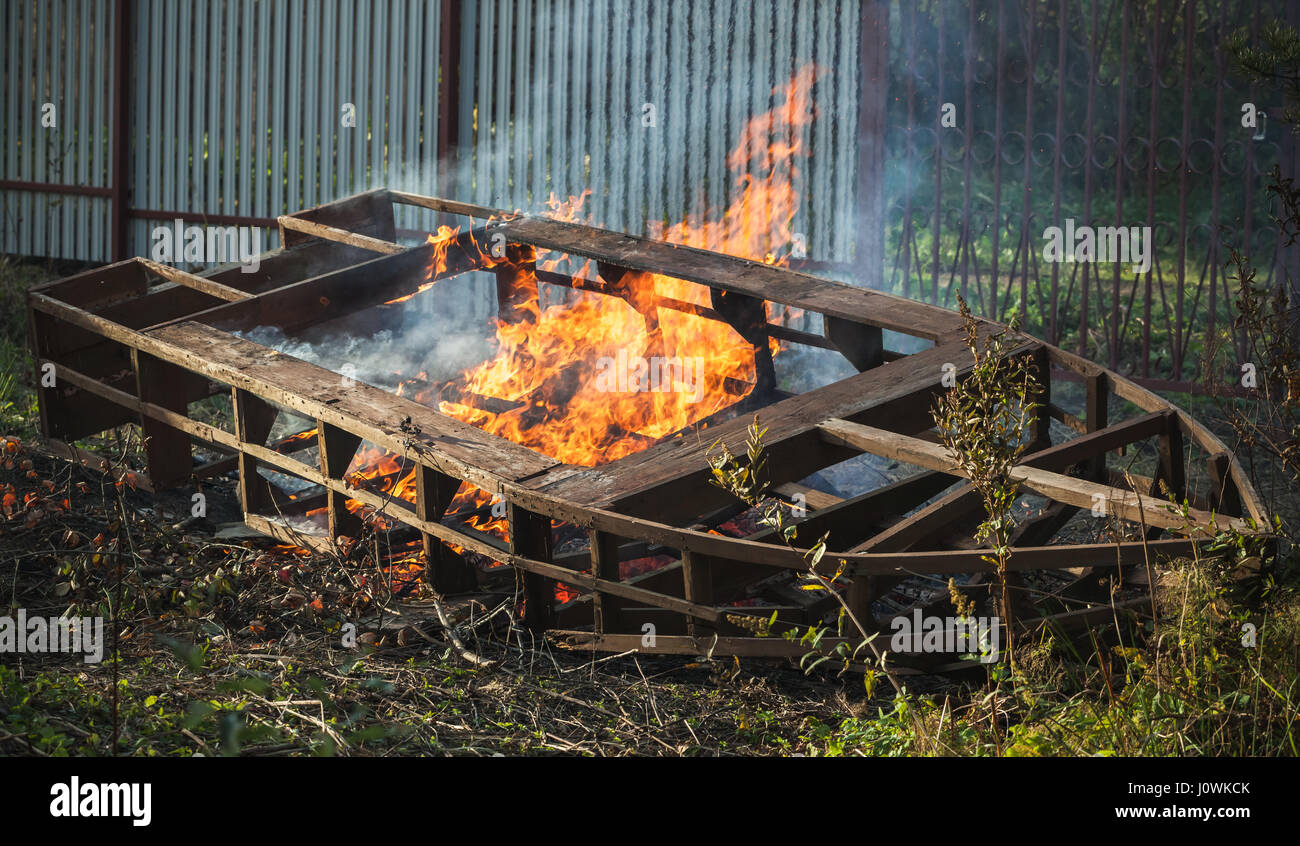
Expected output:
(576, 380)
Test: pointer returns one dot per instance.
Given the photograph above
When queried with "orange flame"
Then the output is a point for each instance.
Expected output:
(600, 376)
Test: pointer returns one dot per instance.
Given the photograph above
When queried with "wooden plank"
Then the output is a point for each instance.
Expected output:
(445, 569)
(253, 420)
(167, 448)
(1096, 417)
(861, 344)
(665, 480)
(530, 537)
(368, 213)
(607, 609)
(698, 574)
(337, 447)
(728, 273)
(342, 236)
(449, 206)
(199, 283)
(1078, 492)
(376, 415)
(812, 498)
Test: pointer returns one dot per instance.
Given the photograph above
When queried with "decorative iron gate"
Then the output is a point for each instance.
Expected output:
(1107, 112)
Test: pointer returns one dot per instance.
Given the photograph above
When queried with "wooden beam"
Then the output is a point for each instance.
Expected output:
(342, 236)
(167, 447)
(1224, 498)
(607, 609)
(728, 273)
(444, 569)
(254, 417)
(1079, 492)
(530, 537)
(1097, 418)
(863, 345)
(337, 448)
(199, 283)
(698, 574)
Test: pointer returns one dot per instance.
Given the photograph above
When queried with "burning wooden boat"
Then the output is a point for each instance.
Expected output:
(562, 457)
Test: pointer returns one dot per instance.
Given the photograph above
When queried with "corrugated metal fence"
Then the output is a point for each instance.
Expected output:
(236, 111)
(643, 101)
(1111, 112)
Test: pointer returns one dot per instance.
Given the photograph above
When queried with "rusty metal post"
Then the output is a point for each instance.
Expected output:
(873, 85)
(121, 131)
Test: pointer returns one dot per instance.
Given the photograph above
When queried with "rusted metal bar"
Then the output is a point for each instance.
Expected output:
(1152, 170)
(121, 129)
(1179, 327)
(873, 78)
(1113, 336)
(55, 188)
(1054, 331)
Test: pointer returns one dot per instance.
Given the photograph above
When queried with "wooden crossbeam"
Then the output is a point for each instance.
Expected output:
(1078, 492)
(728, 273)
(198, 283)
(665, 481)
(342, 236)
(1148, 401)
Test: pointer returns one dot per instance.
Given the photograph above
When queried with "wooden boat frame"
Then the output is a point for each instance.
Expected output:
(129, 348)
